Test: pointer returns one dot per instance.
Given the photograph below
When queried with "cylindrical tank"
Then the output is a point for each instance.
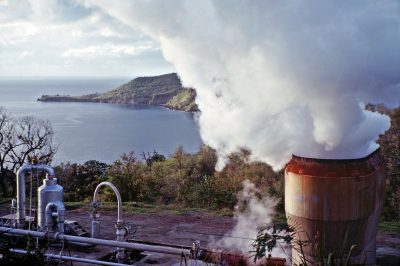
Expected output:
(334, 204)
(50, 191)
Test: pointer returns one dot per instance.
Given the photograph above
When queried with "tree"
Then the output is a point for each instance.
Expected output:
(80, 180)
(21, 140)
(127, 175)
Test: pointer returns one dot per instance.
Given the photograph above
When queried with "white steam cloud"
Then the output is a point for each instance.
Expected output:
(252, 212)
(280, 77)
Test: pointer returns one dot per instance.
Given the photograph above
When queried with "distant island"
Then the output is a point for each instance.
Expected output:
(164, 90)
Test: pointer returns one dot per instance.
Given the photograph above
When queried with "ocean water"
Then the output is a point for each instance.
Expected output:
(95, 131)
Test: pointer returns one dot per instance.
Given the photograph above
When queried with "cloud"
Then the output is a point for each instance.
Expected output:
(108, 50)
(25, 54)
(17, 32)
(280, 77)
(70, 38)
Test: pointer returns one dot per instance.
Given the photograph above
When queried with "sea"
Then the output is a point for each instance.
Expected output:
(99, 131)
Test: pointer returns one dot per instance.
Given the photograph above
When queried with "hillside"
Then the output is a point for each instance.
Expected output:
(164, 90)
(184, 100)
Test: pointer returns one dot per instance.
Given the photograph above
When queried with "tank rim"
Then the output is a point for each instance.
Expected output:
(362, 159)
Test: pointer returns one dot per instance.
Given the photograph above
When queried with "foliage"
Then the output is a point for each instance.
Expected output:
(156, 90)
(79, 181)
(22, 140)
(393, 227)
(270, 237)
(11, 259)
(182, 179)
(184, 100)
(390, 146)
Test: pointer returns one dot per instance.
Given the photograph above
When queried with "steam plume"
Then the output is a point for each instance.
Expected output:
(251, 213)
(280, 77)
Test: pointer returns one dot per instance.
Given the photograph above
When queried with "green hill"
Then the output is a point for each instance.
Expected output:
(164, 90)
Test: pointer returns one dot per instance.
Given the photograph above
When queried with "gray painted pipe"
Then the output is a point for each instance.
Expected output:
(59, 215)
(13, 231)
(21, 198)
(111, 185)
(127, 245)
(63, 257)
(104, 242)
(121, 232)
(21, 192)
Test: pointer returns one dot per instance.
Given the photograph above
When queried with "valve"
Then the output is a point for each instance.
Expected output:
(195, 250)
(94, 213)
(131, 229)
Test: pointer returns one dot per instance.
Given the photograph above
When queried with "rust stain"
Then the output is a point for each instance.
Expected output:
(333, 168)
(336, 200)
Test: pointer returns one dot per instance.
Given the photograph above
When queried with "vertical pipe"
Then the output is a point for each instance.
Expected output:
(21, 216)
(21, 195)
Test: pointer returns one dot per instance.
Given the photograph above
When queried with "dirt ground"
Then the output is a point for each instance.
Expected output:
(174, 229)
(184, 229)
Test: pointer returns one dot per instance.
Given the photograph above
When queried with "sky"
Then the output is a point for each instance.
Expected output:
(283, 76)
(64, 38)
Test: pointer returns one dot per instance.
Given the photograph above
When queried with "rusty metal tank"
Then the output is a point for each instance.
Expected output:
(334, 204)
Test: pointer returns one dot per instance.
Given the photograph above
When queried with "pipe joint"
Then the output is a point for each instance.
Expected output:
(55, 220)
(21, 197)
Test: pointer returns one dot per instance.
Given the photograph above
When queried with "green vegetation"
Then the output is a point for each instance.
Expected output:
(181, 180)
(392, 227)
(190, 180)
(146, 208)
(390, 145)
(184, 100)
(311, 251)
(164, 90)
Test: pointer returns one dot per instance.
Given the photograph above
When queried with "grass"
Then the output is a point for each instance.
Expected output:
(141, 208)
(392, 227)
(5, 201)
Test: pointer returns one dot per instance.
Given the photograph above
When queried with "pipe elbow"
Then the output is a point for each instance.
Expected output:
(117, 194)
(59, 216)
(24, 168)
(50, 173)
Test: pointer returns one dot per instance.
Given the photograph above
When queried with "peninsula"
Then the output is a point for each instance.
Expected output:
(164, 90)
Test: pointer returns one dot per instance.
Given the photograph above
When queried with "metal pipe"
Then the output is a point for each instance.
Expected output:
(59, 215)
(21, 216)
(50, 173)
(63, 257)
(121, 231)
(21, 198)
(96, 241)
(127, 245)
(13, 231)
(111, 185)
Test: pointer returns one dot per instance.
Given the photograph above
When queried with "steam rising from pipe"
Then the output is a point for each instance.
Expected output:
(280, 77)
(252, 212)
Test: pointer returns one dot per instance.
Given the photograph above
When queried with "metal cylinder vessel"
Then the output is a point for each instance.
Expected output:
(333, 205)
(50, 191)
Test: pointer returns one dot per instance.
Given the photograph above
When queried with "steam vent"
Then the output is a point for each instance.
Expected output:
(335, 204)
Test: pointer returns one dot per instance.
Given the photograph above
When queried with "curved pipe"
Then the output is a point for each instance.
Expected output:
(59, 215)
(121, 231)
(111, 185)
(21, 216)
